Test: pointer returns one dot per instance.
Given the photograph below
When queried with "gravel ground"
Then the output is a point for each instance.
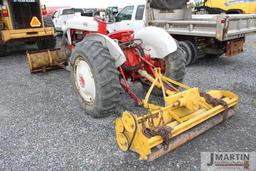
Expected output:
(42, 126)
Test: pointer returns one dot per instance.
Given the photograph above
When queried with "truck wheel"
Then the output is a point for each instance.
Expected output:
(167, 4)
(3, 49)
(188, 51)
(48, 43)
(175, 68)
(213, 55)
(235, 11)
(95, 78)
(193, 50)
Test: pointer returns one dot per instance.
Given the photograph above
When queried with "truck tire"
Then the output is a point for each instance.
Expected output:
(209, 10)
(235, 11)
(95, 78)
(48, 43)
(3, 49)
(213, 56)
(193, 50)
(175, 69)
(188, 52)
(167, 4)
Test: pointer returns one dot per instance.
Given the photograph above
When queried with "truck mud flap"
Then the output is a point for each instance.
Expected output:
(235, 47)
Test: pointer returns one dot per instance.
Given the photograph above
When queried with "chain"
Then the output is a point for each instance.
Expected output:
(216, 102)
(164, 131)
(160, 130)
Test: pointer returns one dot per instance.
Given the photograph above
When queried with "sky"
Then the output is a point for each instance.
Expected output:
(87, 3)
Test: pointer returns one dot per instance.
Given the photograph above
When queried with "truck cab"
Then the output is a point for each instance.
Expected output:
(130, 17)
(61, 16)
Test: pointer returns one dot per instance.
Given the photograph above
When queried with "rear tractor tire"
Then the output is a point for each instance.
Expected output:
(48, 43)
(175, 68)
(95, 78)
(176, 65)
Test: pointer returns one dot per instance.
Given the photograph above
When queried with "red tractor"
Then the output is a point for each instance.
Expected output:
(102, 63)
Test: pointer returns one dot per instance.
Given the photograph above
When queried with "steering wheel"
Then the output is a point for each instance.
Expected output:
(102, 20)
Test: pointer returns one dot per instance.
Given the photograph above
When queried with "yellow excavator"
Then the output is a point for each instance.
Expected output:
(228, 6)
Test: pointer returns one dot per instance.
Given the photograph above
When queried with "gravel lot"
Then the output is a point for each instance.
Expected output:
(42, 126)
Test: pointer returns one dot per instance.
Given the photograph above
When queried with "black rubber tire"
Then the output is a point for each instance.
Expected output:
(209, 10)
(167, 4)
(176, 65)
(106, 77)
(213, 56)
(3, 49)
(193, 50)
(175, 69)
(188, 51)
(235, 11)
(48, 43)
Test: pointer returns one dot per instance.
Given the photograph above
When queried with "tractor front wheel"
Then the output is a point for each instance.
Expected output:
(95, 78)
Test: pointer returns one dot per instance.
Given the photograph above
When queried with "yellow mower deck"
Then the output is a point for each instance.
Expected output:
(186, 114)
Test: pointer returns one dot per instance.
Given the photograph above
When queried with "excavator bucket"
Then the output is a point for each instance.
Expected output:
(185, 115)
(42, 61)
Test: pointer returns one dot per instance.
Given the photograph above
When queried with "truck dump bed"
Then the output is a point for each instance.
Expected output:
(222, 27)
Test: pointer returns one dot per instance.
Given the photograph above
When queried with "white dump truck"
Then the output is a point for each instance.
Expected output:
(198, 35)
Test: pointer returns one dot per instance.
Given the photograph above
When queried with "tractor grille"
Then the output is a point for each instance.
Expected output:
(22, 11)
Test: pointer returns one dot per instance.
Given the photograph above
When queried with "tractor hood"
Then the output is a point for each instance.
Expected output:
(81, 23)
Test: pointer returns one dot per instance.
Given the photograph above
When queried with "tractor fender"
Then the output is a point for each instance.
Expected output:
(114, 49)
(156, 42)
(64, 29)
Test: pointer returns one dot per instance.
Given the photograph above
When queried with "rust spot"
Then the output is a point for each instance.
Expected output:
(81, 82)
